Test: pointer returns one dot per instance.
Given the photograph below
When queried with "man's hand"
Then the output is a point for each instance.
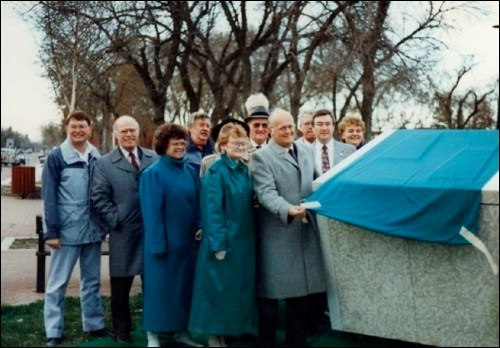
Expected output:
(54, 243)
(297, 212)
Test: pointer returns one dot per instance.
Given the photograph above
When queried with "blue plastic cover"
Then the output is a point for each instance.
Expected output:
(417, 184)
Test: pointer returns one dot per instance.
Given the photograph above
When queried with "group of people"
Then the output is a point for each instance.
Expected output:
(211, 221)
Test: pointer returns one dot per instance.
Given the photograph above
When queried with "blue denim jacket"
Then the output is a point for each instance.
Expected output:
(66, 183)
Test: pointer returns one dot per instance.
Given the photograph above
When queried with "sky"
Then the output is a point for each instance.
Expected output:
(27, 99)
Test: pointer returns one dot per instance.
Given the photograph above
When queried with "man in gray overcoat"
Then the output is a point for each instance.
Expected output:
(289, 260)
(115, 195)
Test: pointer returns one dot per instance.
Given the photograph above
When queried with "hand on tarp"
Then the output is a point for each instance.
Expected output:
(298, 212)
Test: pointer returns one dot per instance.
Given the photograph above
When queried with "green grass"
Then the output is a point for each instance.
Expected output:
(22, 326)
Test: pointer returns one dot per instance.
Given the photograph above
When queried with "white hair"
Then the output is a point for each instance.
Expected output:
(277, 112)
(123, 118)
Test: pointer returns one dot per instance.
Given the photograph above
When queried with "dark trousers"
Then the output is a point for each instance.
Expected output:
(120, 307)
(318, 303)
(296, 321)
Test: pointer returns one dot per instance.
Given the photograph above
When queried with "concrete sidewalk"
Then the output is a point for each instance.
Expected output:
(18, 268)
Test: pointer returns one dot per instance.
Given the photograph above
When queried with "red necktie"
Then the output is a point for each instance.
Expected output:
(325, 162)
(133, 161)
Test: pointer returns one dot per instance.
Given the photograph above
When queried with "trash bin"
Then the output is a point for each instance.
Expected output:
(23, 180)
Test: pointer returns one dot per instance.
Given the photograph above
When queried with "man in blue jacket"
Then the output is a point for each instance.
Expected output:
(72, 230)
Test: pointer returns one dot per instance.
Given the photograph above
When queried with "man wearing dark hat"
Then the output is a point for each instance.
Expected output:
(207, 161)
(257, 107)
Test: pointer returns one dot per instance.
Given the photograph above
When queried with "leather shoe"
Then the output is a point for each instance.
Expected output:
(54, 341)
(123, 338)
(184, 338)
(100, 333)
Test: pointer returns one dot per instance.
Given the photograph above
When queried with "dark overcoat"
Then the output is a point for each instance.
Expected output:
(115, 195)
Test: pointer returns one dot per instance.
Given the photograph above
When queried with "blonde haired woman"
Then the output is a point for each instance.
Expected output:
(224, 287)
(352, 130)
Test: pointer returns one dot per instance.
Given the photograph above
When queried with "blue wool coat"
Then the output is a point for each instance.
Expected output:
(169, 194)
(224, 290)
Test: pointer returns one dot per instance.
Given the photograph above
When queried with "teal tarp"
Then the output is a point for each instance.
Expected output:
(417, 184)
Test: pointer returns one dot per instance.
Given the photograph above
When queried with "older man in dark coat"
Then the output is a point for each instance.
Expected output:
(289, 258)
(115, 195)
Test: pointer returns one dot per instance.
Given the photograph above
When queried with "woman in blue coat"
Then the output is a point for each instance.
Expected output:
(224, 288)
(169, 195)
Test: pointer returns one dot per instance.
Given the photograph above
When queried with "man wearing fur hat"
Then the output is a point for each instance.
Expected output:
(257, 107)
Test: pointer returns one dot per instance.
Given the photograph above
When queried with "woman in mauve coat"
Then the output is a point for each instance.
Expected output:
(224, 300)
(169, 194)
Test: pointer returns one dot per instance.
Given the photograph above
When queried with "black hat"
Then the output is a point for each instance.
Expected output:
(216, 129)
(258, 112)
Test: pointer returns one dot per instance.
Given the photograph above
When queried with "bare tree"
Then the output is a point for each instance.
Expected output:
(468, 110)
(224, 57)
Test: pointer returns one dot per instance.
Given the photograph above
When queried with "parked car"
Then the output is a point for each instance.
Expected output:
(21, 159)
(9, 156)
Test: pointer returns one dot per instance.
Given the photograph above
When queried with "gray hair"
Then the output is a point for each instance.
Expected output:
(303, 114)
(197, 115)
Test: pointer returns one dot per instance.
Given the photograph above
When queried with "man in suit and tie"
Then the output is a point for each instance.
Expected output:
(115, 195)
(289, 260)
(327, 151)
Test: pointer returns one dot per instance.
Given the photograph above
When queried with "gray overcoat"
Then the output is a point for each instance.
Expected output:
(115, 195)
(289, 260)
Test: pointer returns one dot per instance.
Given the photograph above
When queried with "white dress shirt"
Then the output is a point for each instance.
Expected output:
(127, 156)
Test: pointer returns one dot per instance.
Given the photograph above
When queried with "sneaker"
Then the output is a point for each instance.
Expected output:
(153, 339)
(54, 341)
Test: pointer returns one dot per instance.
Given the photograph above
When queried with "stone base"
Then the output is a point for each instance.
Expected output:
(433, 294)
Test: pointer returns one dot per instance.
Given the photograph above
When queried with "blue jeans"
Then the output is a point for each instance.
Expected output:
(61, 266)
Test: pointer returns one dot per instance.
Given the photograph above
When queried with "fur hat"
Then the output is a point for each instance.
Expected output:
(216, 129)
(257, 106)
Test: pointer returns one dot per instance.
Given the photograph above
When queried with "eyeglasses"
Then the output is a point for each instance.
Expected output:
(128, 130)
(260, 125)
(239, 144)
(290, 127)
(307, 124)
(77, 127)
(182, 143)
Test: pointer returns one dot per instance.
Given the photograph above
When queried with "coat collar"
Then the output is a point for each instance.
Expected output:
(121, 162)
(283, 152)
(70, 155)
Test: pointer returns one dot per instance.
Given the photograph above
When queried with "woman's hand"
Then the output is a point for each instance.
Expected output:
(220, 255)
(197, 235)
